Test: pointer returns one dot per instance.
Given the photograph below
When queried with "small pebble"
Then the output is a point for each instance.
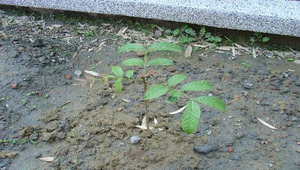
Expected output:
(135, 139)
(206, 148)
(271, 165)
(285, 75)
(208, 132)
(248, 86)
(157, 34)
(277, 149)
(78, 73)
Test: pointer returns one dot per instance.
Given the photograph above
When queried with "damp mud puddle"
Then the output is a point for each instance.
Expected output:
(54, 115)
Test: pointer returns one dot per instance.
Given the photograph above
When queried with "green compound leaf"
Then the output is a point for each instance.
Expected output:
(118, 85)
(176, 79)
(190, 31)
(131, 47)
(155, 91)
(202, 31)
(117, 70)
(196, 86)
(165, 46)
(174, 95)
(185, 39)
(213, 102)
(176, 32)
(160, 62)
(265, 39)
(129, 73)
(191, 117)
(133, 62)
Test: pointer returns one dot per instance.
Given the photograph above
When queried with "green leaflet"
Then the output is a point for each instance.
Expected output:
(131, 47)
(129, 73)
(176, 32)
(176, 79)
(133, 62)
(160, 62)
(117, 70)
(213, 102)
(191, 117)
(196, 86)
(165, 46)
(174, 95)
(155, 91)
(202, 31)
(265, 39)
(190, 31)
(185, 39)
(118, 85)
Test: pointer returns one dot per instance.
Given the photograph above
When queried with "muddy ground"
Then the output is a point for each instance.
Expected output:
(46, 110)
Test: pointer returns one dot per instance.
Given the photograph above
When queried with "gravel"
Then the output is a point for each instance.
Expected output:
(135, 139)
(207, 148)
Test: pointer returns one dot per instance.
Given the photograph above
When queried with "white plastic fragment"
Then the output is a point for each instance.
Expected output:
(266, 124)
(47, 159)
(92, 73)
(177, 111)
(125, 100)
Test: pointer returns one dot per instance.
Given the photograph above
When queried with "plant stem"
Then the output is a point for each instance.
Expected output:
(146, 104)
(145, 89)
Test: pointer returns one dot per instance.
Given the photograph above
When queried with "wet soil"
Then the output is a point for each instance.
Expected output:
(48, 111)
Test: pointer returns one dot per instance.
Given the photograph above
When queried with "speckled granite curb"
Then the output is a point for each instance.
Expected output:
(268, 16)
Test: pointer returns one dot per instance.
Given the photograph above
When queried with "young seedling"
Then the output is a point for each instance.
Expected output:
(191, 116)
(259, 37)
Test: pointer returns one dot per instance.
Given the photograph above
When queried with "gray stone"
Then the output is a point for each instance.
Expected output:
(239, 135)
(248, 86)
(157, 34)
(268, 16)
(235, 156)
(4, 163)
(206, 148)
(78, 73)
(135, 139)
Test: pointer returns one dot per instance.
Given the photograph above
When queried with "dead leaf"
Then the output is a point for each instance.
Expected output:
(155, 121)
(236, 98)
(241, 47)
(47, 159)
(266, 124)
(91, 80)
(226, 48)
(143, 126)
(122, 30)
(83, 81)
(4, 23)
(159, 28)
(254, 53)
(200, 46)
(8, 154)
(233, 51)
(297, 61)
(177, 111)
(188, 51)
